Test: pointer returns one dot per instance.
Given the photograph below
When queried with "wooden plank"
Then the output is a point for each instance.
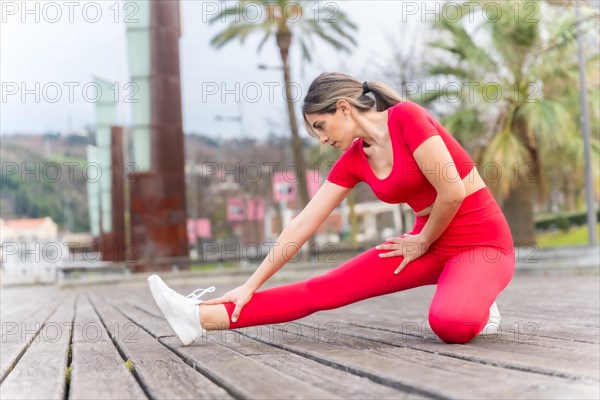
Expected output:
(98, 370)
(482, 350)
(241, 375)
(345, 385)
(161, 372)
(561, 357)
(317, 375)
(250, 378)
(41, 371)
(388, 318)
(16, 304)
(412, 307)
(523, 341)
(21, 330)
(519, 351)
(447, 376)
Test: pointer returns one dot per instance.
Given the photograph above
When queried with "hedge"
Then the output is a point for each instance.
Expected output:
(563, 221)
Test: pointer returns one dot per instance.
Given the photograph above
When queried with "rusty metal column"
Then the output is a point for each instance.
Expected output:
(158, 206)
(116, 252)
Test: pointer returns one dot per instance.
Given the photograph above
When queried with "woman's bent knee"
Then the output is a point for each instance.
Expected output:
(454, 329)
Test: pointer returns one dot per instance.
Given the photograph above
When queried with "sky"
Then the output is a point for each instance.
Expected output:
(50, 54)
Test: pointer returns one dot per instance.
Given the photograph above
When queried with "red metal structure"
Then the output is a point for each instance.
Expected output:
(157, 196)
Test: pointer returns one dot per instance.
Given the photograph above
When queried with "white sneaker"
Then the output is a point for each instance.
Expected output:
(181, 312)
(493, 325)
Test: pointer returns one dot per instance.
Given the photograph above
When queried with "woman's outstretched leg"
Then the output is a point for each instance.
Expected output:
(364, 276)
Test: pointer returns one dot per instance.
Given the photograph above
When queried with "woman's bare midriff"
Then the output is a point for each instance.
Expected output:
(472, 182)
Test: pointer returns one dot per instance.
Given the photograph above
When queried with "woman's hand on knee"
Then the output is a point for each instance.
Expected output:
(240, 296)
(409, 246)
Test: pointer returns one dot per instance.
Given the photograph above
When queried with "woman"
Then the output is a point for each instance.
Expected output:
(460, 240)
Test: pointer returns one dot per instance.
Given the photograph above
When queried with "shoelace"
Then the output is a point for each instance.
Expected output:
(196, 297)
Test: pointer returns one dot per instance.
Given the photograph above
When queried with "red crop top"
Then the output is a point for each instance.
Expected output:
(409, 125)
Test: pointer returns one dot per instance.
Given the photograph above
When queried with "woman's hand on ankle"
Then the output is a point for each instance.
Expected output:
(240, 296)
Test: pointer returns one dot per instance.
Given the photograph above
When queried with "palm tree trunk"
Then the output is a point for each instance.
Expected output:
(284, 41)
(569, 192)
(296, 141)
(518, 206)
(518, 210)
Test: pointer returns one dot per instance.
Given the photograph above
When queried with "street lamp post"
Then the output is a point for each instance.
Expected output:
(585, 124)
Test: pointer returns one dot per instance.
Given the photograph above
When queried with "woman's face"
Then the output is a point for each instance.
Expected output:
(332, 129)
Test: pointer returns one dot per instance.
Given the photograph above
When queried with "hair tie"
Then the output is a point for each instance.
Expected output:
(366, 88)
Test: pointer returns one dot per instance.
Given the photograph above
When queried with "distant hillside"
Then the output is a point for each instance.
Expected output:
(35, 190)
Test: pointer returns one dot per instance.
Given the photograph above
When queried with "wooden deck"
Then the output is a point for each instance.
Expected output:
(382, 348)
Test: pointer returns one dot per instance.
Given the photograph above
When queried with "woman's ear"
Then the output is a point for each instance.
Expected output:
(344, 106)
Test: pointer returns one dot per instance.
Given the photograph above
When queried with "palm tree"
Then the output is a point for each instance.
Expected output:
(280, 20)
(566, 171)
(513, 73)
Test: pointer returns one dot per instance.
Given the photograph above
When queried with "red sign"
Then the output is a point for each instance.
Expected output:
(284, 186)
(255, 209)
(242, 209)
(198, 228)
(235, 209)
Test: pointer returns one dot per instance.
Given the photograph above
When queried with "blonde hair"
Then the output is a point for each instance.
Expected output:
(329, 87)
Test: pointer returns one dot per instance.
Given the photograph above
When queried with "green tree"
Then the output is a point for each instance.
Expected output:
(565, 168)
(281, 20)
(513, 112)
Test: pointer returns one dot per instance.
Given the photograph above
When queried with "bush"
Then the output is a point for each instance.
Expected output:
(564, 221)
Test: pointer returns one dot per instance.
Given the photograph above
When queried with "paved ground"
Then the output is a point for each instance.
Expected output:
(120, 347)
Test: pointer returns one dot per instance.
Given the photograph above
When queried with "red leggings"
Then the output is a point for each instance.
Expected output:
(471, 263)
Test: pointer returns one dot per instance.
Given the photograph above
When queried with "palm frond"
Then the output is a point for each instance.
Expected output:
(548, 120)
(305, 51)
(333, 29)
(268, 33)
(514, 36)
(320, 32)
(338, 21)
(234, 31)
(503, 158)
(445, 69)
(465, 125)
(226, 13)
(461, 44)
